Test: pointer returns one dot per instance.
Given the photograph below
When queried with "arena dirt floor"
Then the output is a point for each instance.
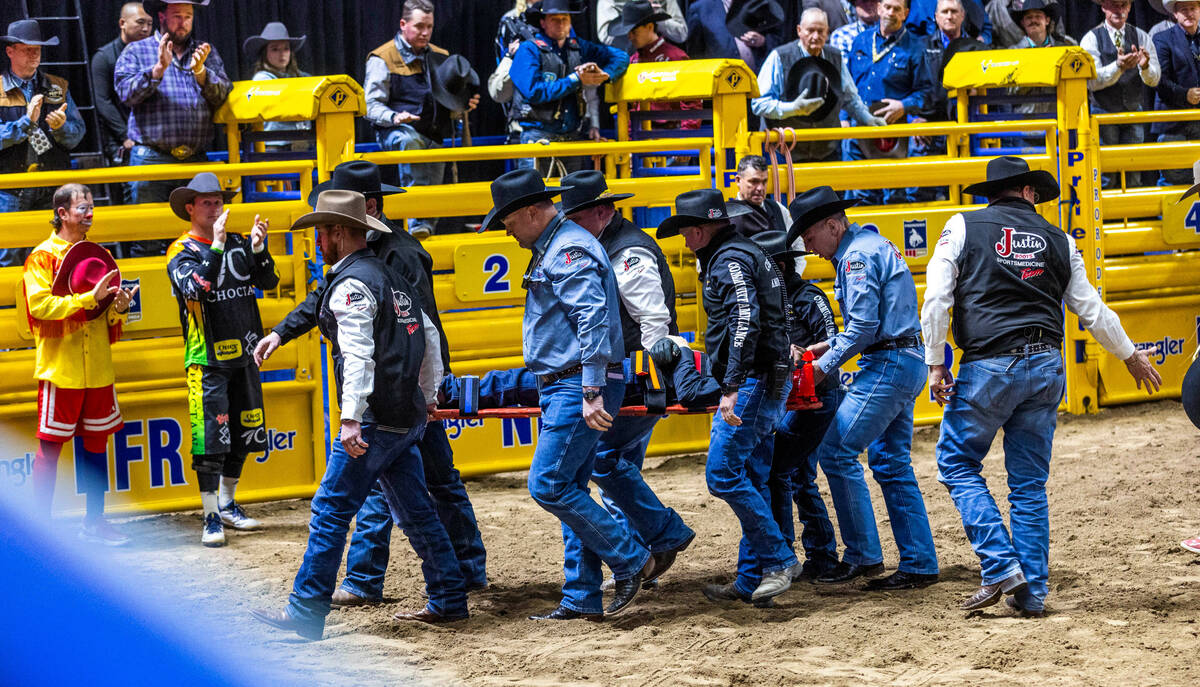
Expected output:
(1124, 606)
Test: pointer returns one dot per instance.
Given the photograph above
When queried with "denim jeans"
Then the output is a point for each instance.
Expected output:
(153, 192)
(392, 460)
(542, 164)
(1020, 394)
(558, 478)
(9, 257)
(739, 463)
(871, 196)
(794, 477)
(404, 137)
(366, 562)
(618, 472)
(877, 415)
(1185, 131)
(1126, 134)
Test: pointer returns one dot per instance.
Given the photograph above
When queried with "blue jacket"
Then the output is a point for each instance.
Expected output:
(875, 292)
(572, 315)
(538, 87)
(708, 38)
(921, 19)
(1180, 71)
(900, 74)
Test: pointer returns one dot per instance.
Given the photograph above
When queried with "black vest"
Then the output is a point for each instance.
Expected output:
(774, 323)
(1126, 94)
(619, 235)
(765, 217)
(396, 400)
(552, 67)
(789, 55)
(1012, 274)
(19, 157)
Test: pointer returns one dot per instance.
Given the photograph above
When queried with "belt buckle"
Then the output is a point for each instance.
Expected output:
(182, 152)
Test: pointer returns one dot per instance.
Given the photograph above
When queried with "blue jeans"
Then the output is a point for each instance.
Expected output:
(393, 461)
(153, 192)
(739, 463)
(871, 196)
(618, 472)
(1020, 394)
(558, 478)
(404, 137)
(9, 202)
(877, 415)
(572, 164)
(794, 477)
(366, 563)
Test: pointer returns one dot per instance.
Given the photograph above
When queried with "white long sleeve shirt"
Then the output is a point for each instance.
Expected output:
(641, 291)
(1108, 74)
(941, 276)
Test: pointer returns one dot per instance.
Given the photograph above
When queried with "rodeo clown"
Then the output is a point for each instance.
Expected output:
(214, 275)
(1006, 272)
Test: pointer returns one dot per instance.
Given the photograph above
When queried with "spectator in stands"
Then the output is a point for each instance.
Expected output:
(554, 74)
(765, 213)
(805, 84)
(1006, 32)
(923, 20)
(172, 84)
(39, 123)
(888, 66)
(866, 16)
(513, 30)
(1039, 21)
(1179, 85)
(274, 55)
(401, 102)
(639, 24)
(1125, 60)
(608, 16)
(838, 13)
(134, 25)
(722, 29)
(1165, 23)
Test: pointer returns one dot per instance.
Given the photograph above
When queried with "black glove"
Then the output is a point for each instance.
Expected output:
(665, 354)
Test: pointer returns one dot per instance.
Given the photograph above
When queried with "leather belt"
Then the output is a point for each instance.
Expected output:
(543, 380)
(1030, 349)
(892, 344)
(178, 152)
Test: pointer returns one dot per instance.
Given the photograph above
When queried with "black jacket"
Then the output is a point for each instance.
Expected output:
(744, 299)
(812, 317)
(114, 116)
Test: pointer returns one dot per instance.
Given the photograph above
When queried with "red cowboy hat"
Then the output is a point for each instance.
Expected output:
(82, 267)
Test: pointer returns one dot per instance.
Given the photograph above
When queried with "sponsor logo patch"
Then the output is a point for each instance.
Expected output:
(252, 418)
(412, 328)
(228, 349)
(222, 418)
(855, 266)
(401, 303)
(1030, 273)
(355, 297)
(1019, 245)
(915, 243)
(630, 262)
(574, 255)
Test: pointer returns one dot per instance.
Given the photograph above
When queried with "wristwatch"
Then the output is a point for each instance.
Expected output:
(591, 393)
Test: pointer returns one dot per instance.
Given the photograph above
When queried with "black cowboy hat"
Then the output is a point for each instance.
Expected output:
(454, 82)
(1050, 7)
(761, 16)
(514, 190)
(355, 175)
(274, 31)
(812, 206)
(777, 246)
(820, 78)
(551, 7)
(26, 32)
(960, 44)
(153, 6)
(1190, 393)
(634, 14)
(1007, 172)
(201, 184)
(697, 207)
(587, 188)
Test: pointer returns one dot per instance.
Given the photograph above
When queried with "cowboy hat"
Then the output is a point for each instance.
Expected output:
(1049, 7)
(760, 16)
(776, 245)
(355, 175)
(695, 208)
(454, 82)
(1190, 393)
(84, 264)
(26, 32)
(347, 208)
(587, 188)
(1165, 6)
(812, 206)
(634, 14)
(820, 78)
(201, 184)
(514, 190)
(551, 7)
(1008, 172)
(153, 6)
(274, 31)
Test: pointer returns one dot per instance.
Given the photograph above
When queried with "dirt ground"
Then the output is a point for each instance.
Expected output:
(1124, 606)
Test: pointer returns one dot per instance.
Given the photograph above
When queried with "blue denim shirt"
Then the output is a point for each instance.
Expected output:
(875, 291)
(572, 315)
(900, 74)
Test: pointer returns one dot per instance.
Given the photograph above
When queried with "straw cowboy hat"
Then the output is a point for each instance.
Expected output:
(347, 208)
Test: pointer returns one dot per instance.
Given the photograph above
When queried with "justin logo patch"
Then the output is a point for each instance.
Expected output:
(1019, 245)
(401, 303)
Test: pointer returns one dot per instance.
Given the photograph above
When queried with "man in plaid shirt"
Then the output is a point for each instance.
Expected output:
(866, 15)
(172, 84)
